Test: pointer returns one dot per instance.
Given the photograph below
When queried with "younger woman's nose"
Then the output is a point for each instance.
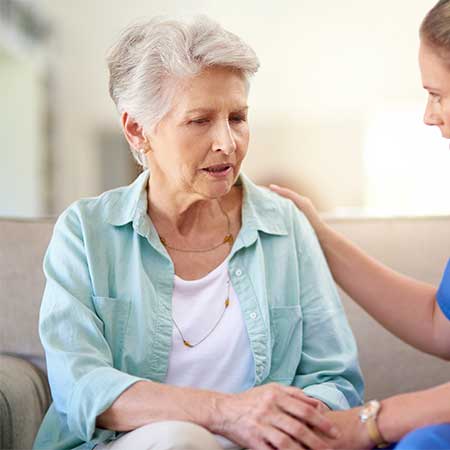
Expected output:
(432, 114)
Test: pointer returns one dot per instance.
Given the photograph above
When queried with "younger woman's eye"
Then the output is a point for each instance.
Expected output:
(435, 97)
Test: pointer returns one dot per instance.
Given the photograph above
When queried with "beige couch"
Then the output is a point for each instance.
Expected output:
(419, 247)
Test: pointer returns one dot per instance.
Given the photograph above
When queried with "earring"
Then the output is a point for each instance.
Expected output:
(146, 147)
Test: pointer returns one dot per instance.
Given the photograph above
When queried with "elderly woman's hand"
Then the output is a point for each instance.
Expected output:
(275, 416)
(302, 203)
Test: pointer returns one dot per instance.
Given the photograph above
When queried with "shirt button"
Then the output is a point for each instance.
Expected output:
(238, 272)
(253, 315)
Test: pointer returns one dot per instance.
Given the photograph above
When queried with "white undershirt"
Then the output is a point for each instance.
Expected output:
(223, 362)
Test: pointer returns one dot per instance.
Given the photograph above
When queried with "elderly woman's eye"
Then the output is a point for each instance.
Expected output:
(200, 121)
(238, 119)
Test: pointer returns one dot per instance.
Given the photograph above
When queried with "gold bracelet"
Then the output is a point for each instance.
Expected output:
(369, 415)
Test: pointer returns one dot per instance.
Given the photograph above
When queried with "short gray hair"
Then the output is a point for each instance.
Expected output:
(149, 56)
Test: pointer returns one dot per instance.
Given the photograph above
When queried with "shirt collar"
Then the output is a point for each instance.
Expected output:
(259, 210)
(128, 203)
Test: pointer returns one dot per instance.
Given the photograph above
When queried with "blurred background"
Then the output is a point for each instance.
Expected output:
(335, 110)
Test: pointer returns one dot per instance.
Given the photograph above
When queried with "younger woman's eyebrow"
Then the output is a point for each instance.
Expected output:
(429, 88)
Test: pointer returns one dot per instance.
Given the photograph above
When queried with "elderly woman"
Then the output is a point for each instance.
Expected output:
(191, 309)
(415, 311)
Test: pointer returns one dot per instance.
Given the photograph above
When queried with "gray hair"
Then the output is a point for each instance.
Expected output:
(150, 56)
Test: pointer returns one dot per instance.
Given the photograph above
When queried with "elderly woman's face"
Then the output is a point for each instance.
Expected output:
(436, 80)
(199, 145)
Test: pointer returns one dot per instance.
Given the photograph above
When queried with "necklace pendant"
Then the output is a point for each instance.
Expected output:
(229, 238)
(227, 303)
(187, 344)
(163, 241)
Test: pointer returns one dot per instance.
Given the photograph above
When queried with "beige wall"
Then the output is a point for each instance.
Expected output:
(326, 69)
(21, 138)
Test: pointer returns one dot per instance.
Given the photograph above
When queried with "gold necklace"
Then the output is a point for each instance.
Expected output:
(228, 238)
(189, 344)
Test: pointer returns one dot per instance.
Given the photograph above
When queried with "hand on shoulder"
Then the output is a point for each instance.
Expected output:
(304, 204)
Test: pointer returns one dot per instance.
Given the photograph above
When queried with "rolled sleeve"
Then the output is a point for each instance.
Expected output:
(93, 394)
(82, 378)
(329, 367)
(329, 394)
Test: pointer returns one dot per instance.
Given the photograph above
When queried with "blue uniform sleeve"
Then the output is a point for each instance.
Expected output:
(82, 378)
(329, 368)
(443, 293)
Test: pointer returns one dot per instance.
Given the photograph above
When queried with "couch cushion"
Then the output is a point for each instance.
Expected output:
(24, 399)
(22, 247)
(418, 247)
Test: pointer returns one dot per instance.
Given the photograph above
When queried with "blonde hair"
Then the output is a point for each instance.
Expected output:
(435, 29)
(150, 56)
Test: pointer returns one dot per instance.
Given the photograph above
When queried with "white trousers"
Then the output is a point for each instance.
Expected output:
(167, 435)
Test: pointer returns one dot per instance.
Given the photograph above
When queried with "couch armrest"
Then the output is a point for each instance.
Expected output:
(24, 399)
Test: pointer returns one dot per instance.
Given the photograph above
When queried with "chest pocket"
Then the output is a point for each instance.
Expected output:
(287, 333)
(114, 314)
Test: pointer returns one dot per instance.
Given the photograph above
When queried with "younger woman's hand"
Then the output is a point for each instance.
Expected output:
(353, 434)
(302, 203)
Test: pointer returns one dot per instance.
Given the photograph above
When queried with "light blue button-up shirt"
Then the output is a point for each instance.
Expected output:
(105, 319)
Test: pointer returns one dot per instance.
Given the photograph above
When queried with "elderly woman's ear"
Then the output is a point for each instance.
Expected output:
(134, 133)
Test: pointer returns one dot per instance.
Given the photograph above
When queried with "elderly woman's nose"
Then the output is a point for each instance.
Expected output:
(224, 139)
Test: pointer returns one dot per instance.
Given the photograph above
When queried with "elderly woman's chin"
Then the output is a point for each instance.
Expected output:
(215, 184)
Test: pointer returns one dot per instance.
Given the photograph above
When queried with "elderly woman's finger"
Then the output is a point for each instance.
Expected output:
(281, 440)
(300, 432)
(310, 415)
(298, 393)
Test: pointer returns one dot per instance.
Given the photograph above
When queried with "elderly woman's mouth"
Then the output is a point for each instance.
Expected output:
(219, 170)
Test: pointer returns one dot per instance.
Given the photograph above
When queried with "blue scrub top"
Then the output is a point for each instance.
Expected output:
(443, 294)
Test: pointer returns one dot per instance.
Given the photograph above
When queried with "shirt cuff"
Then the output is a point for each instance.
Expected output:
(443, 293)
(329, 394)
(94, 394)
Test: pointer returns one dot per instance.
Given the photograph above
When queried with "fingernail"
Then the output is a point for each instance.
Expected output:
(335, 432)
(274, 185)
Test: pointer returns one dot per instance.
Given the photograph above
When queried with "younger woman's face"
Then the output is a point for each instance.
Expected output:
(436, 80)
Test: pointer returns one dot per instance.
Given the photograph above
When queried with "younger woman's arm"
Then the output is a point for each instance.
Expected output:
(404, 306)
